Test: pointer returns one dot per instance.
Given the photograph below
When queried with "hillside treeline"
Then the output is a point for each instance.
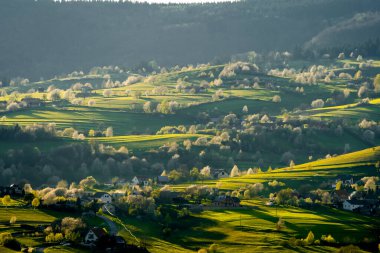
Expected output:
(43, 38)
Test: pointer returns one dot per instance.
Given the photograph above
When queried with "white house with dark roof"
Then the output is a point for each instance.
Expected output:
(103, 197)
(140, 180)
(351, 205)
(220, 173)
(93, 235)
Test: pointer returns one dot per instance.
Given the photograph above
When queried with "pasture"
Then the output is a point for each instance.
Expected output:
(253, 228)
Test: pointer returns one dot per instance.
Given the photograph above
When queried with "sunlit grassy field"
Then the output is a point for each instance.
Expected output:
(253, 229)
(143, 142)
(120, 109)
(84, 119)
(357, 164)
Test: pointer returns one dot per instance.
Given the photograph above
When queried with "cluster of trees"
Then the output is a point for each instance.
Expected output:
(68, 229)
(28, 133)
(8, 241)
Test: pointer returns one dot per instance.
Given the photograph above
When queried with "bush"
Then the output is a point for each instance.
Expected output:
(328, 239)
(13, 220)
(213, 248)
(12, 243)
(310, 238)
(8, 241)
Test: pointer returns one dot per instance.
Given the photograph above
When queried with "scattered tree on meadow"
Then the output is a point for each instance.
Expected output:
(13, 220)
(68, 94)
(310, 238)
(358, 75)
(91, 102)
(318, 103)
(346, 93)
(147, 107)
(194, 173)
(276, 99)
(13, 106)
(235, 171)
(280, 224)
(376, 83)
(88, 182)
(205, 172)
(362, 90)
(6, 200)
(54, 95)
(109, 132)
(35, 203)
(107, 93)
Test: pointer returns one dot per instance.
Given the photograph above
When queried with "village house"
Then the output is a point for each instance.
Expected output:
(103, 197)
(346, 180)
(220, 173)
(118, 194)
(358, 195)
(32, 102)
(340, 196)
(3, 104)
(351, 205)
(226, 201)
(93, 235)
(13, 190)
(141, 181)
(162, 179)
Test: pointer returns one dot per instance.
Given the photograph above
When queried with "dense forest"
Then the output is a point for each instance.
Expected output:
(43, 38)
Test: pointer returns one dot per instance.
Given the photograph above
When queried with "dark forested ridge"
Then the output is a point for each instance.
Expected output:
(42, 38)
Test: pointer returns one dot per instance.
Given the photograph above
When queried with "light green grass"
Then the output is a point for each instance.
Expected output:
(141, 142)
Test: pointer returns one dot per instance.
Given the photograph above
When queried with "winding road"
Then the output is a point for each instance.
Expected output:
(110, 223)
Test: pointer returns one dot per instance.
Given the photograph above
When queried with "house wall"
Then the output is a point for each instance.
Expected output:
(90, 237)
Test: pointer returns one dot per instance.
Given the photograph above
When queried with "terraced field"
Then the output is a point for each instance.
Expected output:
(234, 229)
(358, 164)
(143, 142)
(84, 119)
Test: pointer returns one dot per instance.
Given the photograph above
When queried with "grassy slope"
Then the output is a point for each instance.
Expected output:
(252, 229)
(85, 119)
(142, 142)
(358, 164)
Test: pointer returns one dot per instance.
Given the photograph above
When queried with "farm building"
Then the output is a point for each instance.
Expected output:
(12, 190)
(32, 102)
(351, 205)
(162, 179)
(220, 174)
(94, 234)
(140, 180)
(103, 197)
(226, 201)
